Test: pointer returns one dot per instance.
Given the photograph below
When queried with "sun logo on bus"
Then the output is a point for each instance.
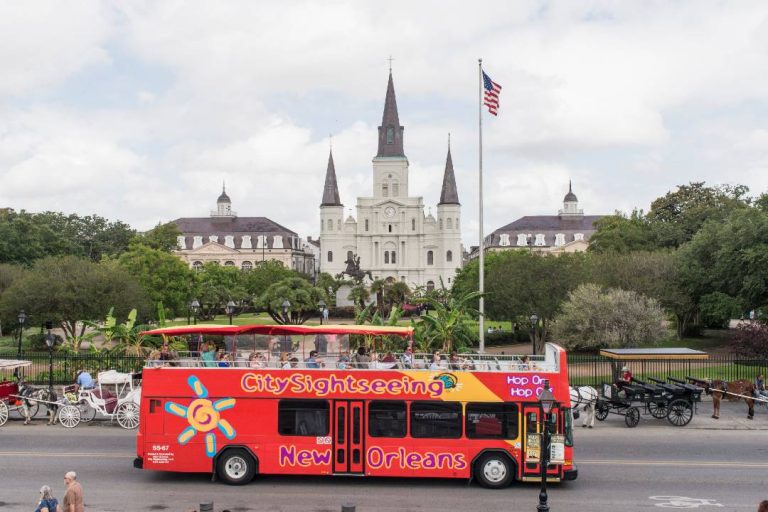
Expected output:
(203, 416)
(449, 381)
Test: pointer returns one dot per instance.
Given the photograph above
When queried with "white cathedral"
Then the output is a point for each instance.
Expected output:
(391, 236)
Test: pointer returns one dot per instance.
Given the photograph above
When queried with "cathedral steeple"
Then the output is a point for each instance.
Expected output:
(390, 131)
(449, 194)
(331, 190)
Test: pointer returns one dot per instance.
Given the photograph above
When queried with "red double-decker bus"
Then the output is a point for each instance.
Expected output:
(326, 413)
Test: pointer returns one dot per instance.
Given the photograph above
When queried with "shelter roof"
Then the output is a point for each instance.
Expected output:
(640, 354)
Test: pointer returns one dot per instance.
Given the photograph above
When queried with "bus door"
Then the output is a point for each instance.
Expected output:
(532, 425)
(348, 428)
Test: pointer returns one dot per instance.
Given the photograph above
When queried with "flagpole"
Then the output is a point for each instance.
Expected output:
(481, 269)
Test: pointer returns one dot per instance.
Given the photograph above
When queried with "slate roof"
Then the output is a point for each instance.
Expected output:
(449, 194)
(237, 227)
(331, 189)
(390, 119)
(548, 225)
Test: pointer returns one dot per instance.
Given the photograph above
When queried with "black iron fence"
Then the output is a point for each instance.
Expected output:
(66, 365)
(583, 370)
(589, 370)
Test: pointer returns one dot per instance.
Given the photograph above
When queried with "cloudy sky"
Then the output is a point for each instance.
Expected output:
(139, 110)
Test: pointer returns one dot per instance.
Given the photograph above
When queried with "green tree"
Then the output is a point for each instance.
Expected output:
(448, 325)
(215, 285)
(162, 237)
(676, 217)
(717, 309)
(594, 317)
(622, 234)
(264, 274)
(69, 290)
(301, 295)
(165, 277)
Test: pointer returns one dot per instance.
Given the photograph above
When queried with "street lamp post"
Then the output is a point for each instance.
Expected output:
(50, 341)
(22, 320)
(546, 401)
(321, 307)
(230, 309)
(194, 306)
(534, 324)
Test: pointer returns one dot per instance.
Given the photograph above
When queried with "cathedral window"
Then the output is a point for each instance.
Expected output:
(330, 225)
(578, 236)
(449, 256)
(430, 286)
(385, 190)
(395, 189)
(366, 224)
(229, 263)
(559, 239)
(457, 223)
(449, 223)
(386, 257)
(246, 265)
(390, 135)
(390, 228)
(197, 266)
(441, 224)
(430, 258)
(330, 256)
(394, 258)
(413, 224)
(338, 225)
(539, 240)
(504, 239)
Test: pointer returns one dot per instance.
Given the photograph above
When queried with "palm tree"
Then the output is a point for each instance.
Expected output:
(449, 323)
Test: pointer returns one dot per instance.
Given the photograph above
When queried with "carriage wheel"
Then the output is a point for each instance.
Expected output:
(632, 417)
(87, 413)
(128, 415)
(3, 413)
(680, 412)
(658, 409)
(69, 416)
(601, 411)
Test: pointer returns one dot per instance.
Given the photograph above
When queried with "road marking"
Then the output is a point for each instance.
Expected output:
(79, 454)
(684, 502)
(715, 464)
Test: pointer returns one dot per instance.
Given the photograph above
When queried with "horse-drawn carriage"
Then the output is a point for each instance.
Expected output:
(114, 397)
(10, 389)
(672, 399)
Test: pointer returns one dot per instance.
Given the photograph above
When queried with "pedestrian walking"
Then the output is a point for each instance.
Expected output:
(47, 502)
(73, 497)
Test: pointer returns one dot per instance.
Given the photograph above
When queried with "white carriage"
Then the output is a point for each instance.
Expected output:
(114, 397)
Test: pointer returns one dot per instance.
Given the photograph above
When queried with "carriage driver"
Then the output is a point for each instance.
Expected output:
(83, 380)
(625, 377)
(760, 391)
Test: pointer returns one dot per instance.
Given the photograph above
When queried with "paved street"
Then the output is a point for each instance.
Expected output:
(620, 469)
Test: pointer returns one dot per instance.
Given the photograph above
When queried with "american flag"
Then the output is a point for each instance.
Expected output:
(491, 94)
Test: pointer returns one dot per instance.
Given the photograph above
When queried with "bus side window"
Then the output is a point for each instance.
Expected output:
(438, 420)
(386, 418)
(532, 422)
(303, 417)
(491, 421)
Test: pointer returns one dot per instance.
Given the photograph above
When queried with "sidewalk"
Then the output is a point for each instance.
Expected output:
(733, 416)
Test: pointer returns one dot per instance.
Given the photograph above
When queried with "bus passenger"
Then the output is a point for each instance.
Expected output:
(407, 358)
(344, 360)
(224, 359)
(313, 361)
(294, 362)
(256, 360)
(285, 362)
(361, 359)
(455, 362)
(525, 364)
(208, 354)
(436, 361)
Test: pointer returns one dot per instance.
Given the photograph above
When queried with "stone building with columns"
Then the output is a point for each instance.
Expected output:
(241, 242)
(390, 232)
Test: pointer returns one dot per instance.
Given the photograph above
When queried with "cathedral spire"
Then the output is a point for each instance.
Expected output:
(331, 190)
(390, 131)
(449, 194)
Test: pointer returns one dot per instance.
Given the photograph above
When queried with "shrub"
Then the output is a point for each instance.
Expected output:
(750, 339)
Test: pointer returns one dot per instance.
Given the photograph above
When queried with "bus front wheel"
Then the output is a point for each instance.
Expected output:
(236, 467)
(494, 471)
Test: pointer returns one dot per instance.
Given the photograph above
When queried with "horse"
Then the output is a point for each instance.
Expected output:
(721, 388)
(584, 398)
(44, 395)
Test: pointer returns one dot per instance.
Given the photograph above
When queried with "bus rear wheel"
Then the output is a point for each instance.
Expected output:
(236, 467)
(494, 471)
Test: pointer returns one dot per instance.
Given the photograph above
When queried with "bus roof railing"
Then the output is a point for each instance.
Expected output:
(279, 330)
